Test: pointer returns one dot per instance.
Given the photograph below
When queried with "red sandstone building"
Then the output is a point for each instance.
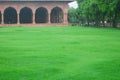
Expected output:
(33, 12)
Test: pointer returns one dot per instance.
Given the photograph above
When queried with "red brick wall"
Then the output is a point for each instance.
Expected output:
(34, 6)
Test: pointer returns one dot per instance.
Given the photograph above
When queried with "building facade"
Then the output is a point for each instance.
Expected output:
(34, 12)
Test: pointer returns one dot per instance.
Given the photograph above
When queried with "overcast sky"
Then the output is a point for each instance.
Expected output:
(73, 4)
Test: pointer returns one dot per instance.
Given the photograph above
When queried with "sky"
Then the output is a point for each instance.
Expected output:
(73, 4)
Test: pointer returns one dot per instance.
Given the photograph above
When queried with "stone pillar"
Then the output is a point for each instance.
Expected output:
(33, 18)
(18, 16)
(65, 18)
(18, 19)
(2, 16)
(49, 18)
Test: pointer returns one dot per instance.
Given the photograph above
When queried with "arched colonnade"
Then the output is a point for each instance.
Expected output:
(27, 16)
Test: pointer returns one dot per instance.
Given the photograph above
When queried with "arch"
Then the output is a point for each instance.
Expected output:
(10, 16)
(0, 17)
(26, 15)
(56, 15)
(41, 15)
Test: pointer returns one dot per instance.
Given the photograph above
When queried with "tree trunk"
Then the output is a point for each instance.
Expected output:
(103, 23)
(103, 20)
(115, 20)
(88, 22)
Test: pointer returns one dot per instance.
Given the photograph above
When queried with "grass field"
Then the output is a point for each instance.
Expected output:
(59, 53)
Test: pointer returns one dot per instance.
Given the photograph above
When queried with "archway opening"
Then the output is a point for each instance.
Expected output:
(0, 17)
(41, 15)
(10, 16)
(26, 15)
(56, 15)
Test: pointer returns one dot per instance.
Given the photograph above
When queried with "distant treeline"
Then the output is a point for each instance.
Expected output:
(96, 13)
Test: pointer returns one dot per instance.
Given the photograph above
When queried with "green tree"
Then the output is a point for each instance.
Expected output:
(99, 11)
(72, 16)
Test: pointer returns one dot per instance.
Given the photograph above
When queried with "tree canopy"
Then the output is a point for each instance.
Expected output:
(98, 12)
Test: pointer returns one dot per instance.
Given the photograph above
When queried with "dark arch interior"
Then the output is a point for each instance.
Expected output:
(41, 15)
(56, 15)
(26, 15)
(0, 17)
(10, 16)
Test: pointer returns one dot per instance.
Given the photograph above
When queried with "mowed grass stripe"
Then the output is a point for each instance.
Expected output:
(59, 53)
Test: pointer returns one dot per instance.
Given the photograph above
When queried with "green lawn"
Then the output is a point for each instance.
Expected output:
(59, 53)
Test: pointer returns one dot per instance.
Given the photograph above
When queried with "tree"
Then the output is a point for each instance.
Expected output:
(99, 11)
(72, 16)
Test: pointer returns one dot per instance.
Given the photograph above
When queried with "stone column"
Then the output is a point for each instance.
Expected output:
(18, 19)
(18, 16)
(33, 18)
(49, 18)
(2, 16)
(65, 18)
